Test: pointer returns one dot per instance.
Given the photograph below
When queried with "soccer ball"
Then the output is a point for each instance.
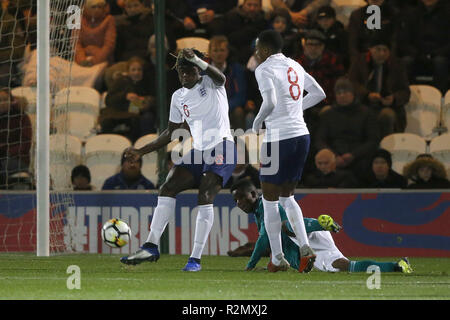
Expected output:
(116, 233)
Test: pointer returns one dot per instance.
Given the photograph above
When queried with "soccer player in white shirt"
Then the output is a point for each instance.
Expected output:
(201, 103)
(281, 82)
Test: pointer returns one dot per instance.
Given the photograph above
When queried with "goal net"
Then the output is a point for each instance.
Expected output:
(18, 100)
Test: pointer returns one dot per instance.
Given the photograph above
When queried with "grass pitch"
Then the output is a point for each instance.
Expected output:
(25, 276)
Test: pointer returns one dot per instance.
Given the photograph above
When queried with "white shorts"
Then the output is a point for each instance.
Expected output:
(325, 249)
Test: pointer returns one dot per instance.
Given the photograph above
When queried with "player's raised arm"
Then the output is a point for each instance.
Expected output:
(215, 74)
(315, 92)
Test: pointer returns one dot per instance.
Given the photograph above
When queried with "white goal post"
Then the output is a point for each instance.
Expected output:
(43, 130)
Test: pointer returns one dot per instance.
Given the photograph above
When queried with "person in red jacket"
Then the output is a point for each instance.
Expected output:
(15, 138)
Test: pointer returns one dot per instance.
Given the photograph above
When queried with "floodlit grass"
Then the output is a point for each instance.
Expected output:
(25, 276)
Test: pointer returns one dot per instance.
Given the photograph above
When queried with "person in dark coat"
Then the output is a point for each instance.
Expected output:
(358, 32)
(129, 178)
(326, 175)
(15, 138)
(381, 174)
(381, 83)
(426, 172)
(349, 129)
(281, 21)
(199, 17)
(334, 31)
(242, 26)
(424, 41)
(134, 26)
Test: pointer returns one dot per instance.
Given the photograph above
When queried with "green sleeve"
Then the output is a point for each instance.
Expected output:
(260, 248)
(312, 225)
(263, 240)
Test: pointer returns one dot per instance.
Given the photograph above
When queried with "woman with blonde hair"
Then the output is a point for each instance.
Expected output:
(97, 38)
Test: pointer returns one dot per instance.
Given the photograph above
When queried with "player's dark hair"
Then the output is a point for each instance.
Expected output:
(182, 61)
(125, 158)
(243, 184)
(81, 171)
(271, 39)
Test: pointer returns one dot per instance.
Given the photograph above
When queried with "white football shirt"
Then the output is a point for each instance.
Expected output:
(205, 109)
(288, 78)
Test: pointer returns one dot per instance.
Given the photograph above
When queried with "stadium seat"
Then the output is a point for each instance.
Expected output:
(65, 154)
(440, 149)
(423, 110)
(150, 160)
(446, 110)
(201, 44)
(79, 124)
(344, 9)
(103, 156)
(404, 147)
(78, 99)
(29, 94)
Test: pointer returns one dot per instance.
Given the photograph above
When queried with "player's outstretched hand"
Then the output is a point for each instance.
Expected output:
(132, 153)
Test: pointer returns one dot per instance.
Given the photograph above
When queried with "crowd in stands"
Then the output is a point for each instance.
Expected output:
(365, 73)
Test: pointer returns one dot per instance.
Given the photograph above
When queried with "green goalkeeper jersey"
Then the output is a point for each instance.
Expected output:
(290, 249)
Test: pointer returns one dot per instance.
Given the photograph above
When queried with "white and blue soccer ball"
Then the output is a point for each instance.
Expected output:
(116, 233)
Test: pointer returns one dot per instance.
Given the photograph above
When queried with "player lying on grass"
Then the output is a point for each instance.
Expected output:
(201, 103)
(328, 256)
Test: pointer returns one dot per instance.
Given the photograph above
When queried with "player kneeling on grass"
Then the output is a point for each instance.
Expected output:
(328, 256)
(201, 103)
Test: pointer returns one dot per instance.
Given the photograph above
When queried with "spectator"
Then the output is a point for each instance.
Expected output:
(97, 36)
(302, 11)
(242, 26)
(336, 36)
(15, 138)
(381, 174)
(199, 16)
(81, 178)
(426, 172)
(358, 32)
(173, 82)
(11, 47)
(323, 65)
(26, 15)
(236, 84)
(424, 41)
(129, 178)
(326, 175)
(281, 22)
(349, 129)
(381, 82)
(130, 104)
(133, 26)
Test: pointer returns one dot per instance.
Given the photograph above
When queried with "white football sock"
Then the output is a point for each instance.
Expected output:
(205, 220)
(272, 221)
(163, 212)
(295, 217)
